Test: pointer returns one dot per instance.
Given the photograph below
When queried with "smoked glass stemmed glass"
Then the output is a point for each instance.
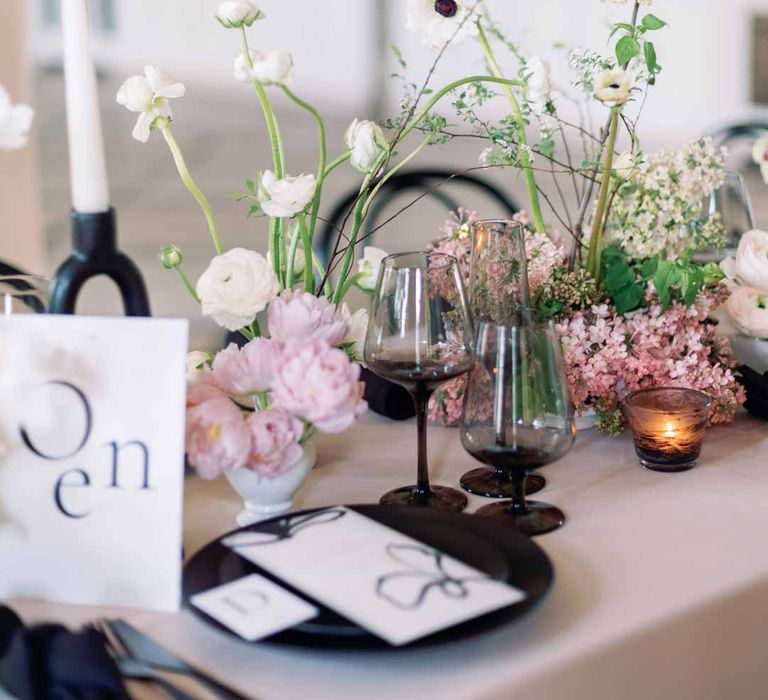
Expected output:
(498, 293)
(518, 415)
(419, 335)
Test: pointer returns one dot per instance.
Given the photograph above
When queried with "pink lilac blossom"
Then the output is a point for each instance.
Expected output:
(217, 437)
(244, 372)
(319, 384)
(303, 316)
(275, 444)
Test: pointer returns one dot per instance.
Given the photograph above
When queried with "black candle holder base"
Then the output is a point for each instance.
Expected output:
(95, 253)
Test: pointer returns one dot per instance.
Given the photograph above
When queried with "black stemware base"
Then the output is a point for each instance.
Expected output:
(439, 498)
(538, 518)
(485, 481)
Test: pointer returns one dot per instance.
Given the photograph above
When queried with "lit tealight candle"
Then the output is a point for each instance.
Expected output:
(669, 425)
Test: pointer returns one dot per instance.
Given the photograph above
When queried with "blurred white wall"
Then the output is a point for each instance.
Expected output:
(705, 51)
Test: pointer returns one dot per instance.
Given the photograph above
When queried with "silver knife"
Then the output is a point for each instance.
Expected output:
(151, 653)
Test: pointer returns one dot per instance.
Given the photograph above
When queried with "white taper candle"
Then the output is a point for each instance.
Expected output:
(87, 167)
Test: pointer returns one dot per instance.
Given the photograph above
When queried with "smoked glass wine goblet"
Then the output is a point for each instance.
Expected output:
(518, 415)
(419, 335)
(498, 292)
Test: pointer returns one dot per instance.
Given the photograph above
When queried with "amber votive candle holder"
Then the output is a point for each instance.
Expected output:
(669, 424)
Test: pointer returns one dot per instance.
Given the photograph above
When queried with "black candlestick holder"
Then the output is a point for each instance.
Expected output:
(94, 253)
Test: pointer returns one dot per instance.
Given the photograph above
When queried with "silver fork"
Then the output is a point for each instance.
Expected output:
(131, 667)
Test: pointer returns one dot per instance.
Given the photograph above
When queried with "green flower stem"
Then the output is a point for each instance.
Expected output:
(444, 91)
(525, 156)
(322, 159)
(185, 281)
(190, 184)
(343, 158)
(399, 166)
(292, 256)
(321, 271)
(598, 223)
(306, 244)
(349, 254)
(351, 282)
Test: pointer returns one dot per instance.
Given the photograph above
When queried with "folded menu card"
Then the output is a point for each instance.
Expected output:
(384, 581)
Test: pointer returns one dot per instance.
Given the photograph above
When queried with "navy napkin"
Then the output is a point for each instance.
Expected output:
(48, 662)
(756, 386)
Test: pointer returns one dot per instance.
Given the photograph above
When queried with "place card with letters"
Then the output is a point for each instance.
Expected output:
(92, 459)
(384, 581)
(254, 607)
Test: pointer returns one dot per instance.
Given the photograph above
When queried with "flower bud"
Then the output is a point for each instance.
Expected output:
(238, 13)
(171, 257)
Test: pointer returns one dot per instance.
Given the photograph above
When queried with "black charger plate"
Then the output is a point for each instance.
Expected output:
(494, 549)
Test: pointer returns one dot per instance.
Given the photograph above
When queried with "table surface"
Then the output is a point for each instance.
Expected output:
(661, 584)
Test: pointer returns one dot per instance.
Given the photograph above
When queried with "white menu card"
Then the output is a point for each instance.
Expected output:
(388, 583)
(92, 459)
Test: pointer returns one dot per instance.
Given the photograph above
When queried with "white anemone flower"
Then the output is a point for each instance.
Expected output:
(148, 95)
(441, 21)
(760, 155)
(15, 122)
(613, 87)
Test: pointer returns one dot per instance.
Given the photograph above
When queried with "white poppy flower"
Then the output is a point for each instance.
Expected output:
(357, 325)
(15, 122)
(748, 309)
(369, 266)
(271, 69)
(287, 197)
(365, 140)
(614, 87)
(438, 22)
(236, 286)
(148, 94)
(538, 83)
(238, 13)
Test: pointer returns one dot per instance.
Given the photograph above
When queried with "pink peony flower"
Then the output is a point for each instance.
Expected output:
(303, 316)
(199, 392)
(275, 446)
(320, 384)
(218, 439)
(241, 373)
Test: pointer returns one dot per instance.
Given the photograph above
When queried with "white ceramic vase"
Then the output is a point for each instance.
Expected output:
(264, 498)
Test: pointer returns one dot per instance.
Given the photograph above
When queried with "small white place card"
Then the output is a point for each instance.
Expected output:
(254, 607)
(388, 583)
(92, 463)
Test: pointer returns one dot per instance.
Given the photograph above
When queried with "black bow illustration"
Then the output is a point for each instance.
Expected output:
(426, 570)
(283, 529)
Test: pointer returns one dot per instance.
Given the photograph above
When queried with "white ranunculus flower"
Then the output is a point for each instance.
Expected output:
(273, 68)
(357, 325)
(238, 13)
(539, 83)
(15, 122)
(760, 155)
(751, 265)
(748, 309)
(613, 87)
(236, 286)
(365, 140)
(369, 267)
(197, 361)
(148, 94)
(438, 22)
(287, 197)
